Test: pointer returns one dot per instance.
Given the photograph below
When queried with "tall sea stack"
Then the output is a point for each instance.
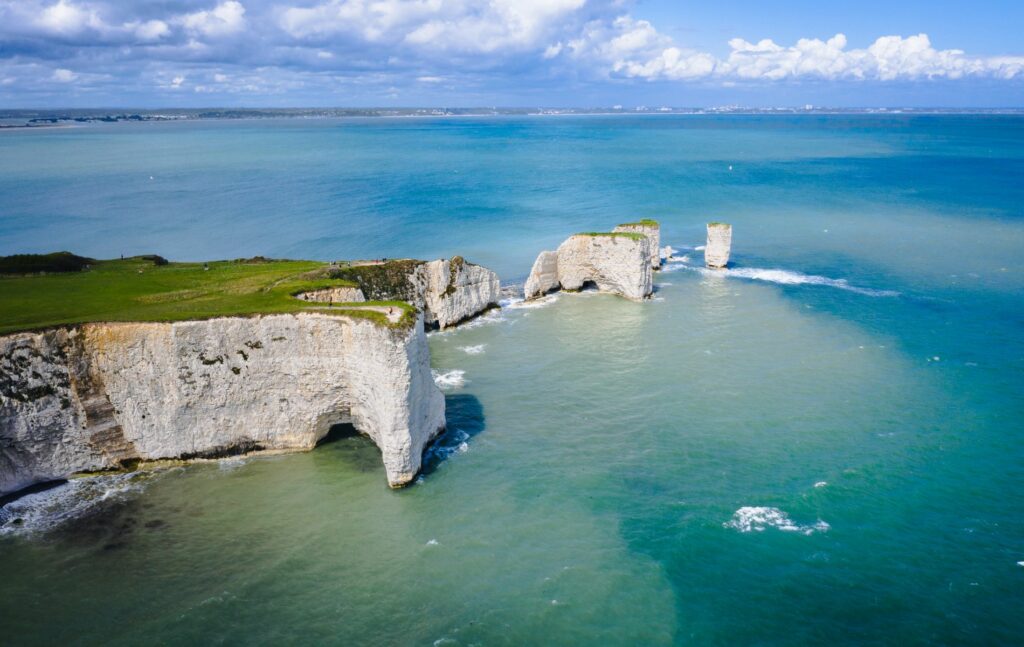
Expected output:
(716, 252)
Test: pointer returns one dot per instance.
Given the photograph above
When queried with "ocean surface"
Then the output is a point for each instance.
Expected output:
(822, 444)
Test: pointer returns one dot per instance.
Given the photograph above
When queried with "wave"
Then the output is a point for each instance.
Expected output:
(756, 519)
(452, 379)
(41, 512)
(518, 303)
(777, 276)
(473, 350)
(454, 441)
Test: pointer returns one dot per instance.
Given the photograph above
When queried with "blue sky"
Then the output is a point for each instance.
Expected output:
(265, 53)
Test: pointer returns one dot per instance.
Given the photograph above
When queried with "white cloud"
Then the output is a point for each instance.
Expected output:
(62, 75)
(149, 30)
(474, 26)
(68, 18)
(225, 19)
(889, 58)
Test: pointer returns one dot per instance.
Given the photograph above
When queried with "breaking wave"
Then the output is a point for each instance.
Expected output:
(756, 519)
(778, 276)
(473, 350)
(786, 277)
(41, 512)
(446, 380)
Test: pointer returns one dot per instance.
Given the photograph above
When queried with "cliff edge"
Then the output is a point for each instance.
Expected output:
(98, 396)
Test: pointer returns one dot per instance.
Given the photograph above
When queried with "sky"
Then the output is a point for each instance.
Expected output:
(509, 53)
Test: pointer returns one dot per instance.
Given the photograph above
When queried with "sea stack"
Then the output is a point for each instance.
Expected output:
(649, 228)
(616, 262)
(716, 252)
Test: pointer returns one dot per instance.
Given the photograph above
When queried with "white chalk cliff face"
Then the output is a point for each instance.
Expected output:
(98, 396)
(619, 264)
(334, 295)
(716, 251)
(653, 232)
(453, 291)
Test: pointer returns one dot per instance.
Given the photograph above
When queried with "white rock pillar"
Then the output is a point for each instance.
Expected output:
(716, 251)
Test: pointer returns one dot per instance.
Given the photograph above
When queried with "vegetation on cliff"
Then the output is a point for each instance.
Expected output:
(646, 222)
(151, 289)
(632, 235)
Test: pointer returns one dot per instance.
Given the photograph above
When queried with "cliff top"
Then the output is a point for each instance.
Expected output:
(632, 235)
(152, 289)
(646, 222)
(719, 224)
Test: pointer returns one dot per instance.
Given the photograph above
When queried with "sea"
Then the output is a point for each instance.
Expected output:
(821, 444)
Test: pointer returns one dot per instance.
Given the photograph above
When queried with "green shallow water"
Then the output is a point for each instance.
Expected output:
(861, 404)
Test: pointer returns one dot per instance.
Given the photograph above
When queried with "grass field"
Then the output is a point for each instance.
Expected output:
(136, 289)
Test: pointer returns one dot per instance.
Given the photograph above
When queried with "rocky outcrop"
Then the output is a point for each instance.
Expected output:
(651, 229)
(453, 291)
(333, 295)
(447, 291)
(716, 251)
(614, 262)
(543, 277)
(104, 395)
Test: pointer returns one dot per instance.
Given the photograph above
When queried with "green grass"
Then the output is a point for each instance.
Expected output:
(719, 224)
(632, 235)
(646, 222)
(135, 289)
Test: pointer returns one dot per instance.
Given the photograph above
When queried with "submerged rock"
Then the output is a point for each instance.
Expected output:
(619, 263)
(106, 395)
(716, 252)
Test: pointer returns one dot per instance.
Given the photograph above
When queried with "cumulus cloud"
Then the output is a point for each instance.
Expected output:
(279, 45)
(62, 75)
(224, 19)
(889, 58)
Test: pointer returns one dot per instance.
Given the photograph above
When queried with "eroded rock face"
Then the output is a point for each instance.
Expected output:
(614, 263)
(716, 251)
(453, 291)
(652, 231)
(543, 277)
(334, 295)
(97, 396)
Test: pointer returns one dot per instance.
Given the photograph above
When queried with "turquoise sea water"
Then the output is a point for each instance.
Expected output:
(821, 444)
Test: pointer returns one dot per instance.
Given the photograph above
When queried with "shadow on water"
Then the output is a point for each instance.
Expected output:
(356, 450)
(464, 417)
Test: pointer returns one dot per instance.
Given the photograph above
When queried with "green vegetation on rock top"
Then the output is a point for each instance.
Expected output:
(719, 224)
(646, 222)
(143, 289)
(36, 263)
(632, 235)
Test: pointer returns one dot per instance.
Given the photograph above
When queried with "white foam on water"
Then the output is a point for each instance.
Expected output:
(452, 379)
(521, 304)
(787, 277)
(699, 248)
(821, 484)
(42, 512)
(758, 518)
(473, 350)
(432, 542)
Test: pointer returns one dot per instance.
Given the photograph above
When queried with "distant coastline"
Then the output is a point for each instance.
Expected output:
(38, 118)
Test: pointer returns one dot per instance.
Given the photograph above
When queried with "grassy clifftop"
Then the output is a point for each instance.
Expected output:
(140, 289)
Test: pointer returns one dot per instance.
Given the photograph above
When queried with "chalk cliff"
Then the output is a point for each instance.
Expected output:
(716, 251)
(99, 396)
(447, 291)
(652, 230)
(455, 290)
(618, 263)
